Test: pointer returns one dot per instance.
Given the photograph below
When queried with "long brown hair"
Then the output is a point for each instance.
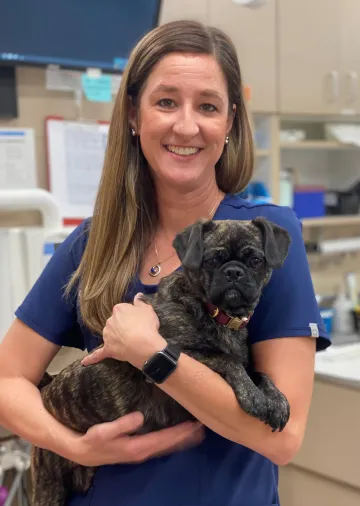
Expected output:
(125, 214)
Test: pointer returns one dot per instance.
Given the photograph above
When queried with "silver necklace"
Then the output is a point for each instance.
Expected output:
(155, 270)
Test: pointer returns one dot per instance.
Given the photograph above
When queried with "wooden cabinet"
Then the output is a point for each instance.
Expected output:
(253, 33)
(350, 57)
(319, 63)
(309, 56)
(173, 10)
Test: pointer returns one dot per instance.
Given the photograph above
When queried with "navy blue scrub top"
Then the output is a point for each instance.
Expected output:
(218, 472)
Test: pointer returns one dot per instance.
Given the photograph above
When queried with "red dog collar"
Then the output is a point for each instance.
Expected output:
(222, 318)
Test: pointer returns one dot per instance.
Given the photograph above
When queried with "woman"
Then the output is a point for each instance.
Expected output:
(179, 148)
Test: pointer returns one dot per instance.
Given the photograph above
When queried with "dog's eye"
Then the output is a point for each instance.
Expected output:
(256, 262)
(210, 263)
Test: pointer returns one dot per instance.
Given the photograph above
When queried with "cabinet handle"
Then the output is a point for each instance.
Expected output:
(332, 86)
(351, 86)
(252, 4)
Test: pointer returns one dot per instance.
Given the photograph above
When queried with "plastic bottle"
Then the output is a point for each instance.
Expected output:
(343, 320)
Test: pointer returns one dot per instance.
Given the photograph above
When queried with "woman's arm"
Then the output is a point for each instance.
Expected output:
(290, 364)
(24, 357)
(288, 361)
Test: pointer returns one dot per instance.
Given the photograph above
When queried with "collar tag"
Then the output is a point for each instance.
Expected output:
(222, 318)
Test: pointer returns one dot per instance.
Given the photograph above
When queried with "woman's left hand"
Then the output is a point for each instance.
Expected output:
(130, 335)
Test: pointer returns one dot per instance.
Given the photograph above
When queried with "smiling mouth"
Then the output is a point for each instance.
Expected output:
(182, 151)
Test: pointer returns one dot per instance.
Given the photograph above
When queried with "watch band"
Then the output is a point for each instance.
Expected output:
(173, 351)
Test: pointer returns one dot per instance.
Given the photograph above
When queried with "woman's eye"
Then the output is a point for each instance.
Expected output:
(256, 262)
(167, 103)
(210, 263)
(208, 108)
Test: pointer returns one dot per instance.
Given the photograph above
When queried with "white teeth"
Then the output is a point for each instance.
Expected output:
(182, 151)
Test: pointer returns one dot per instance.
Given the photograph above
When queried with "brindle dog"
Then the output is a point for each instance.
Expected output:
(225, 263)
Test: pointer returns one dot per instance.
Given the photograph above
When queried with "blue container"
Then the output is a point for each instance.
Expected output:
(327, 315)
(309, 201)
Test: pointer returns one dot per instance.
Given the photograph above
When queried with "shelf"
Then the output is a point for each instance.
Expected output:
(332, 221)
(326, 145)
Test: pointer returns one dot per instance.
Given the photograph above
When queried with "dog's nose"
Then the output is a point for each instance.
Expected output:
(233, 273)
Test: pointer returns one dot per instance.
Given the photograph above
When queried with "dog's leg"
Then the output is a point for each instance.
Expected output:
(277, 398)
(82, 478)
(261, 400)
(52, 478)
(258, 400)
(47, 487)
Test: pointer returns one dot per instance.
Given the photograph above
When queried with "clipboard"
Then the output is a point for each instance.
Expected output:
(75, 152)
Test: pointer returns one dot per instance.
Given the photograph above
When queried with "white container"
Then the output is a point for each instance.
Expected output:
(343, 322)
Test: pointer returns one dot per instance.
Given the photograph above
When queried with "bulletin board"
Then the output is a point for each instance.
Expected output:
(75, 157)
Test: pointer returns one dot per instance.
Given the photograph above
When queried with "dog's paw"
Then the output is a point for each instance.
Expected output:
(278, 408)
(278, 414)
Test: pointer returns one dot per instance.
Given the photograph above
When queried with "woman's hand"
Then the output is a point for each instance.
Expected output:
(112, 443)
(131, 335)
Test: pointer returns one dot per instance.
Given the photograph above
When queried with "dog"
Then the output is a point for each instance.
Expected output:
(203, 308)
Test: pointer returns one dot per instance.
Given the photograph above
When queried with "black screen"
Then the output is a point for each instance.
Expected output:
(74, 33)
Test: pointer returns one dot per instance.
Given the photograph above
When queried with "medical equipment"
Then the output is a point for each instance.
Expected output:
(24, 251)
(14, 454)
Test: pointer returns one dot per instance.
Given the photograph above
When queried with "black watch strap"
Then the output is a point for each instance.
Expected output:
(173, 350)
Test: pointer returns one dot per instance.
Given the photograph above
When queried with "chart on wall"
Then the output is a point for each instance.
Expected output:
(76, 154)
(17, 159)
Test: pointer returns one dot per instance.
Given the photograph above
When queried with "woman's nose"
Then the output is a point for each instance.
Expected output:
(186, 125)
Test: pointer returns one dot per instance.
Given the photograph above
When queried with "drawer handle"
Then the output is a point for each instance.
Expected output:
(332, 86)
(351, 86)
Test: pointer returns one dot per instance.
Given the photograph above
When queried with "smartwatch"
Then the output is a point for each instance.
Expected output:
(159, 367)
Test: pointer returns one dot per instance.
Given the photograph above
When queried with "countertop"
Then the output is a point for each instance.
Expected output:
(341, 362)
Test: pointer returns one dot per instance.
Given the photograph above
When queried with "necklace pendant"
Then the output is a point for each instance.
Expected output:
(155, 270)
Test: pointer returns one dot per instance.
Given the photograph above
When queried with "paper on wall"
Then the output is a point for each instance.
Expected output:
(76, 157)
(58, 79)
(97, 89)
(17, 158)
(62, 80)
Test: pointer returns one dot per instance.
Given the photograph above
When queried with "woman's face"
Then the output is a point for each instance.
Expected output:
(183, 119)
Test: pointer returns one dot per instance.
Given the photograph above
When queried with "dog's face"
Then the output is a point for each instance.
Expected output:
(229, 262)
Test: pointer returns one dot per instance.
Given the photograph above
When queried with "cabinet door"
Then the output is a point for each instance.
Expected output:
(253, 32)
(174, 10)
(309, 56)
(350, 56)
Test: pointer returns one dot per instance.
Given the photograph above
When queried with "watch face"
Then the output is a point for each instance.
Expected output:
(159, 367)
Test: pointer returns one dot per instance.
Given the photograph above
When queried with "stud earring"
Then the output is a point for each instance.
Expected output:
(133, 133)
(227, 140)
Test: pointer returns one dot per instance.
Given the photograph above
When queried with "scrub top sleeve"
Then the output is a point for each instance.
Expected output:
(288, 306)
(46, 309)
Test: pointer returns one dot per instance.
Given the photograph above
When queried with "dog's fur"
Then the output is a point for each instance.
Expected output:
(224, 262)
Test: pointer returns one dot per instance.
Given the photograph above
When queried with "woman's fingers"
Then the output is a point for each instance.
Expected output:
(127, 424)
(94, 357)
(142, 447)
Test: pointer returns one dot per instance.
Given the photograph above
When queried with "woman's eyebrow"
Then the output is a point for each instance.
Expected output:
(173, 89)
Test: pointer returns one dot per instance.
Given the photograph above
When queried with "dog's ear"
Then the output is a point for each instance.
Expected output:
(277, 241)
(189, 244)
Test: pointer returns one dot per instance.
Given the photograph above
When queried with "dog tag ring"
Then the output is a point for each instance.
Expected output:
(155, 270)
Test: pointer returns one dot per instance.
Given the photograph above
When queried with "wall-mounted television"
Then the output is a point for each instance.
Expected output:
(74, 34)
